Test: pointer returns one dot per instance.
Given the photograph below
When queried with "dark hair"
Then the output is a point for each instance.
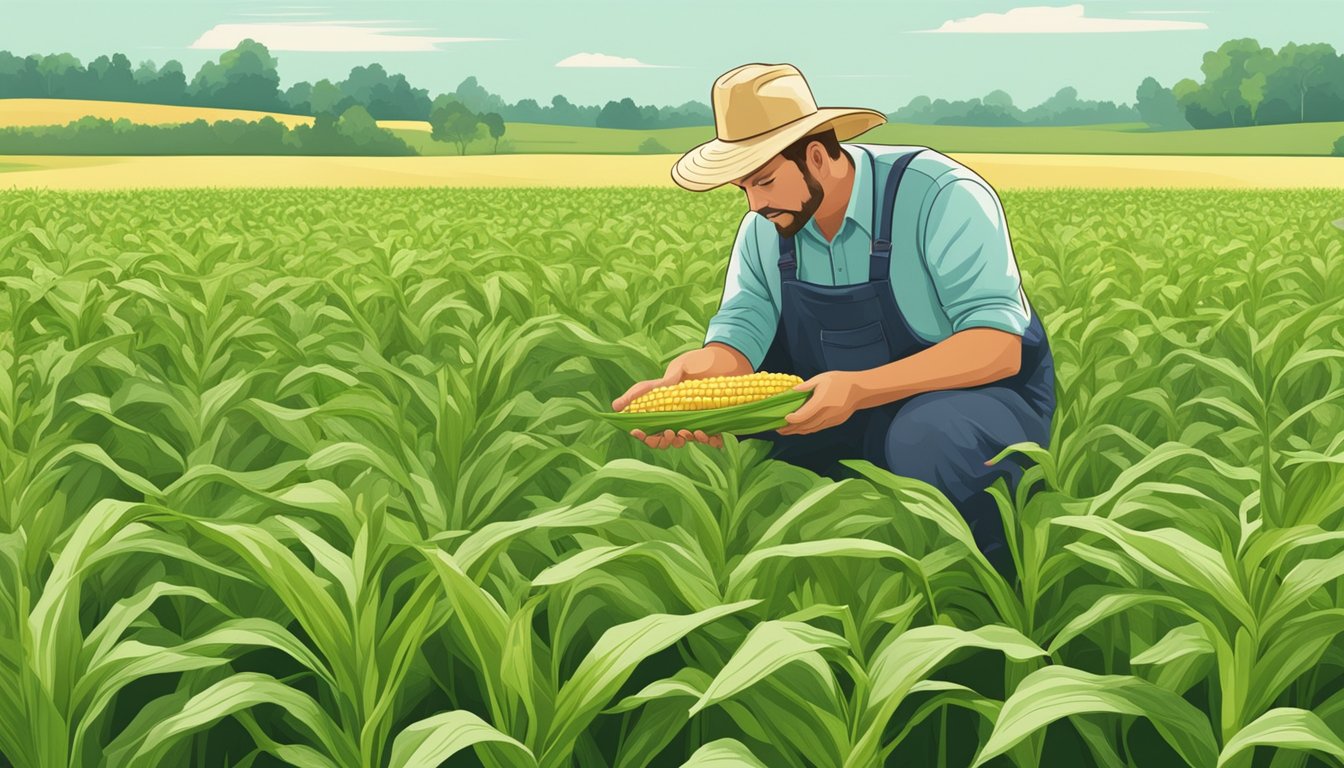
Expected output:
(797, 151)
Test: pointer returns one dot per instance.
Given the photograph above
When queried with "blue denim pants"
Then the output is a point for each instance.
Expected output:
(943, 438)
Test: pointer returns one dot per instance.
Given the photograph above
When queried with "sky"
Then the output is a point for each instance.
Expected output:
(853, 53)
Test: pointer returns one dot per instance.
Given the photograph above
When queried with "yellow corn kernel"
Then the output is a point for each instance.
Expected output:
(714, 392)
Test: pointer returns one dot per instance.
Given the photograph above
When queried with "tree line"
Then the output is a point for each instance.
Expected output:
(247, 77)
(1243, 83)
(353, 132)
(1247, 84)
(997, 108)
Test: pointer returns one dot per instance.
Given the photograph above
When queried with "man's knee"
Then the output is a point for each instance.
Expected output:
(935, 440)
(918, 444)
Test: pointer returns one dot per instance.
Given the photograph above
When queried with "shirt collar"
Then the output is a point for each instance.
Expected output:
(860, 207)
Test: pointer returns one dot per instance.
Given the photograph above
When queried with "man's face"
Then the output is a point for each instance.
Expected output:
(783, 192)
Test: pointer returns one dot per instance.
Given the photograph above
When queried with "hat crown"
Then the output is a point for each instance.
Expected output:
(756, 98)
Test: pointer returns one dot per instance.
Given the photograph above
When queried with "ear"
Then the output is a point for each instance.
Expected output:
(816, 158)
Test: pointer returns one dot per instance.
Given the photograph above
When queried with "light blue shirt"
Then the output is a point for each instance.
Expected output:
(952, 262)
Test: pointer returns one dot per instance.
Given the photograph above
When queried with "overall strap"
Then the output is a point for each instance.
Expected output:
(879, 260)
(788, 262)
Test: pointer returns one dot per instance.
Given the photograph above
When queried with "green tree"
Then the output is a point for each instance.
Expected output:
(562, 112)
(1253, 92)
(387, 97)
(1158, 106)
(326, 98)
(54, 68)
(450, 120)
(495, 124)
(620, 114)
(358, 125)
(112, 78)
(244, 78)
(476, 98)
(1225, 69)
(1309, 65)
(999, 99)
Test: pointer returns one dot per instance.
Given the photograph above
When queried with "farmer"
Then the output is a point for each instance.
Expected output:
(904, 313)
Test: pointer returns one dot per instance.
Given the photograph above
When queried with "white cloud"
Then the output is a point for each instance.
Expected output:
(602, 60)
(1068, 19)
(352, 36)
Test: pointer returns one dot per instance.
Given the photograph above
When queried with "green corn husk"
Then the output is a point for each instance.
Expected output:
(742, 419)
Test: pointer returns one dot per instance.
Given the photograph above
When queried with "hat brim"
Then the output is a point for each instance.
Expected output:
(717, 162)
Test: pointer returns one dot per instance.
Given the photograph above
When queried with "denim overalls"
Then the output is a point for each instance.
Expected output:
(941, 437)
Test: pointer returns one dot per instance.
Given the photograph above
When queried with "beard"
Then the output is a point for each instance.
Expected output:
(799, 218)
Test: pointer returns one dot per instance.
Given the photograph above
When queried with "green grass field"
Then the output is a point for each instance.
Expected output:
(297, 477)
(531, 138)
(1121, 138)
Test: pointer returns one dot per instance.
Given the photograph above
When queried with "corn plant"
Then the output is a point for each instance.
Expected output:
(305, 477)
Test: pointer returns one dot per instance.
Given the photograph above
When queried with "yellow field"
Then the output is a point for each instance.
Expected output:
(27, 112)
(23, 112)
(1002, 171)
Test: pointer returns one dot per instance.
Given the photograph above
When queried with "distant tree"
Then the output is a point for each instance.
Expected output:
(167, 86)
(1157, 106)
(1339, 147)
(357, 124)
(476, 98)
(327, 99)
(54, 70)
(564, 113)
(997, 108)
(267, 136)
(1246, 83)
(525, 111)
(245, 77)
(1309, 69)
(451, 121)
(387, 97)
(495, 124)
(1225, 69)
(111, 78)
(999, 99)
(1252, 92)
(652, 146)
(320, 138)
(620, 114)
(298, 98)
(692, 113)
(354, 132)
(146, 73)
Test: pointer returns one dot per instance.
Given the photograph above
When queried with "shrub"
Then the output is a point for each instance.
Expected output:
(652, 146)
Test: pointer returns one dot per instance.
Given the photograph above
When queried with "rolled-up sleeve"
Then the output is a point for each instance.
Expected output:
(970, 259)
(748, 313)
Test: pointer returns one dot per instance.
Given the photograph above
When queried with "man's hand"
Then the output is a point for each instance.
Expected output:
(834, 399)
(670, 439)
(714, 359)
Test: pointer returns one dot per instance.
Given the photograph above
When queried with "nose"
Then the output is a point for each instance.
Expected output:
(758, 202)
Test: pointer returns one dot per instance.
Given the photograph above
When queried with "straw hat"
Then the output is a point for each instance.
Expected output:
(759, 109)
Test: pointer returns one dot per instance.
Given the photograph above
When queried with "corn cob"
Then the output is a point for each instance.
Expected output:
(714, 392)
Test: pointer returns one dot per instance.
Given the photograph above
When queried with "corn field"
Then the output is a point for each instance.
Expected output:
(307, 477)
